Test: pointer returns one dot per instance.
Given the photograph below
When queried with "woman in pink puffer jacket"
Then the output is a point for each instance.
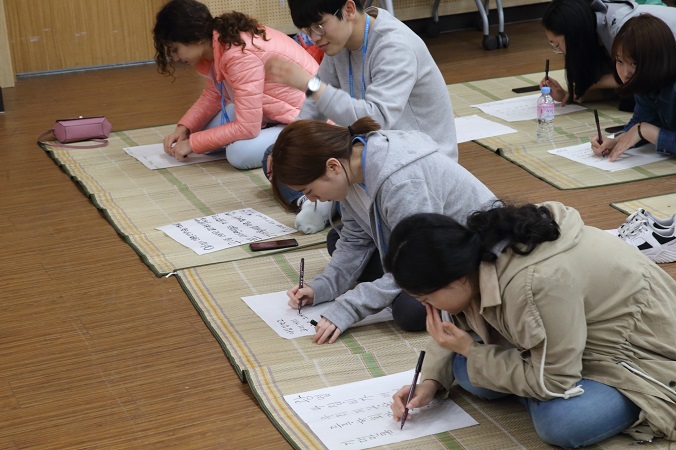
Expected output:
(238, 108)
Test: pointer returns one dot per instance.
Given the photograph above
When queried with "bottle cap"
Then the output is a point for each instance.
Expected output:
(546, 89)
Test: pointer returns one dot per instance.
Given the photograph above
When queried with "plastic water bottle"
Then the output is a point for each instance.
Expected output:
(545, 116)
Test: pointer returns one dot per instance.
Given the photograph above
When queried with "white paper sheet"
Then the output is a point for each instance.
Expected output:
(357, 415)
(470, 128)
(583, 154)
(522, 108)
(229, 229)
(153, 157)
(273, 308)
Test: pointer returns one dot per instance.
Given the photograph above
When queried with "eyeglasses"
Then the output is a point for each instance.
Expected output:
(556, 48)
(316, 28)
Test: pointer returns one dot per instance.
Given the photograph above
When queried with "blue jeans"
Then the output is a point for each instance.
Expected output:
(246, 153)
(598, 414)
(407, 312)
(289, 194)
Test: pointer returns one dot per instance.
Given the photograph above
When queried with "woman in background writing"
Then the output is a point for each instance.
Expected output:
(583, 32)
(645, 65)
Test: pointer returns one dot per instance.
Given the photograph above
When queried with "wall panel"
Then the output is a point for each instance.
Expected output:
(272, 13)
(49, 35)
(6, 68)
(275, 13)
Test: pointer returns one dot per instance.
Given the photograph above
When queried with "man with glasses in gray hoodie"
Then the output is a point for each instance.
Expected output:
(375, 66)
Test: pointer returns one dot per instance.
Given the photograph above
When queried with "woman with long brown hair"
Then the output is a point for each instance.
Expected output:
(645, 66)
(583, 31)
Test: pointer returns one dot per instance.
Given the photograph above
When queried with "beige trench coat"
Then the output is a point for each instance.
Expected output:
(594, 305)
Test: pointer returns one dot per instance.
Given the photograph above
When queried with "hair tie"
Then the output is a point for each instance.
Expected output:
(349, 128)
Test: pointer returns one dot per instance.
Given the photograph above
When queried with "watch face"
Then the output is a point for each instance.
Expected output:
(314, 84)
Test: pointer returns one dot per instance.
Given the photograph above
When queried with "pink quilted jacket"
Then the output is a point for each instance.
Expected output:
(256, 100)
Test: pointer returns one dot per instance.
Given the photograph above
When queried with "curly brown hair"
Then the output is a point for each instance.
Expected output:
(190, 22)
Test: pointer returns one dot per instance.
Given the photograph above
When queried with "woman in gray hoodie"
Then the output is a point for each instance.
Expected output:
(379, 178)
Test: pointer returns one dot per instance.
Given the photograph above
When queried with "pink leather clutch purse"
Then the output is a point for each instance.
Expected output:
(80, 129)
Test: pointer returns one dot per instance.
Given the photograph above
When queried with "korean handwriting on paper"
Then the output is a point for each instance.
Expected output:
(298, 324)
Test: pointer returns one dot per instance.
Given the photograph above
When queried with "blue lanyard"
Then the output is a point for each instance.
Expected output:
(379, 231)
(383, 244)
(363, 60)
(363, 159)
(224, 116)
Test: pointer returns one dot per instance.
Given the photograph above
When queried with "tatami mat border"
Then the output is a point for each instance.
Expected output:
(216, 292)
(503, 424)
(662, 206)
(570, 129)
(135, 200)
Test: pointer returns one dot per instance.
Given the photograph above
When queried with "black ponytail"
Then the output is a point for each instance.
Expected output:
(429, 251)
(524, 227)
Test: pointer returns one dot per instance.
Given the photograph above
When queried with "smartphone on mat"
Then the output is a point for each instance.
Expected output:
(521, 90)
(273, 245)
(614, 129)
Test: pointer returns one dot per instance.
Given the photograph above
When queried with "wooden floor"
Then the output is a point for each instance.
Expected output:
(95, 351)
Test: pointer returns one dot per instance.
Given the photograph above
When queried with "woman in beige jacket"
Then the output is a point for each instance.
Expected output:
(577, 324)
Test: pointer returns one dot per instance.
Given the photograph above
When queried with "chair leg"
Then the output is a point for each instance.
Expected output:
(433, 29)
(501, 40)
(489, 42)
(2, 104)
(501, 16)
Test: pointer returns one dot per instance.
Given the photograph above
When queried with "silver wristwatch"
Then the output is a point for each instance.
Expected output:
(313, 86)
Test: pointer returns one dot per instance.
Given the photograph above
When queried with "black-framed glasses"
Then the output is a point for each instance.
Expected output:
(316, 28)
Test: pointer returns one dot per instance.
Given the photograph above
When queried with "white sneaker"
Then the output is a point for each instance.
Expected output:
(657, 244)
(643, 215)
(313, 216)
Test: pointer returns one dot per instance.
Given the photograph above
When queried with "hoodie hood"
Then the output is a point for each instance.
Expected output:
(610, 15)
(388, 152)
